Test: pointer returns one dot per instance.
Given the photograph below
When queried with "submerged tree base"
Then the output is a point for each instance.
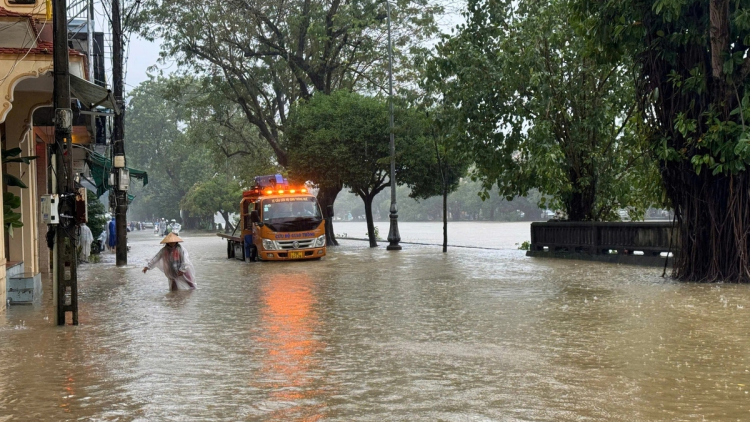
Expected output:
(714, 223)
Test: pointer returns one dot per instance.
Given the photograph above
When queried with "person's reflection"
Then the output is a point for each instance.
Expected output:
(287, 336)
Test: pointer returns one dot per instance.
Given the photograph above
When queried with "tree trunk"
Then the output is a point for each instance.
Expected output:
(326, 197)
(370, 225)
(445, 218)
(580, 203)
(714, 225)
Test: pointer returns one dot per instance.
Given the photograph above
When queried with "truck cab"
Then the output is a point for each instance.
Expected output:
(279, 222)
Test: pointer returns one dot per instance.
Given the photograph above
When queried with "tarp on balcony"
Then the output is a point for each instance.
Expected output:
(101, 167)
(92, 95)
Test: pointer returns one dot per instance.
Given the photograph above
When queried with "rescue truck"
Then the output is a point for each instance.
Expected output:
(278, 222)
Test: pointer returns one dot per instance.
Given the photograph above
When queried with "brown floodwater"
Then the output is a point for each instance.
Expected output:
(370, 335)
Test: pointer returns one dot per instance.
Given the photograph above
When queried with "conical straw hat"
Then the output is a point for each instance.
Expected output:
(171, 238)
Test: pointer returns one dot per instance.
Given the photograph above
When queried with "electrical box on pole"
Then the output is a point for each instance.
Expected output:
(48, 208)
(123, 179)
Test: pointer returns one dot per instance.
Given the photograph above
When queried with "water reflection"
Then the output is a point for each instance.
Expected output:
(287, 337)
(176, 299)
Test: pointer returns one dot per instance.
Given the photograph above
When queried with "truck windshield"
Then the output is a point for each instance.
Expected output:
(288, 209)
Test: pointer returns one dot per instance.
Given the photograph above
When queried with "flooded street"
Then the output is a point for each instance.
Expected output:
(370, 335)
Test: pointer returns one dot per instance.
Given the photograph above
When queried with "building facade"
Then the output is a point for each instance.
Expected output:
(26, 86)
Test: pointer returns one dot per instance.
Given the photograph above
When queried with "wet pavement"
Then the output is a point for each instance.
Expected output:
(370, 335)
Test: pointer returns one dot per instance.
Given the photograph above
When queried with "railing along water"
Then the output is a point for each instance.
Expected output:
(641, 243)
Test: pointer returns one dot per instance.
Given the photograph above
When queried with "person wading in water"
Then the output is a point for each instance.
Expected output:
(174, 262)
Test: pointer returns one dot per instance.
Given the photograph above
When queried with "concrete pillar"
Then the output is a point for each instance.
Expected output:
(3, 286)
(14, 137)
(24, 243)
(30, 205)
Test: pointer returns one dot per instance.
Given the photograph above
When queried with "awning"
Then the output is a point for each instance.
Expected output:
(92, 95)
(101, 167)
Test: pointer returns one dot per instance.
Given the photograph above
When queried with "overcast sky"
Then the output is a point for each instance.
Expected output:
(143, 54)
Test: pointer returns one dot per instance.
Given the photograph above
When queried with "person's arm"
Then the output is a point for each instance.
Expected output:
(183, 261)
(154, 260)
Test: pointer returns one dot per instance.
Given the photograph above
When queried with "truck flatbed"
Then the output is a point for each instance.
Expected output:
(229, 237)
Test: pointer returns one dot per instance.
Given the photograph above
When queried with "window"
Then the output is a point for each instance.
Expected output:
(21, 1)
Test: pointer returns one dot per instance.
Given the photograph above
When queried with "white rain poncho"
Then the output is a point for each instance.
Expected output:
(84, 241)
(103, 239)
(171, 262)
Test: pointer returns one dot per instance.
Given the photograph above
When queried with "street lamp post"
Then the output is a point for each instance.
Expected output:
(393, 236)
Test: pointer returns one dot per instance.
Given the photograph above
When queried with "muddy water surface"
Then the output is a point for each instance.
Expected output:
(371, 335)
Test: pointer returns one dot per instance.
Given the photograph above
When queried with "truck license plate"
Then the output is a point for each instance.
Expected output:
(296, 255)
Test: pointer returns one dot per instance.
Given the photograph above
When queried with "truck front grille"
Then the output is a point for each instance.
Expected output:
(301, 244)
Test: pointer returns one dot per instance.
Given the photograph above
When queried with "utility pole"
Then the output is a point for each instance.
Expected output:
(66, 281)
(90, 44)
(118, 135)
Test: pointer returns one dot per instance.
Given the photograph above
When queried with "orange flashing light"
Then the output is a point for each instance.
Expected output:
(292, 191)
(281, 191)
(268, 192)
(303, 190)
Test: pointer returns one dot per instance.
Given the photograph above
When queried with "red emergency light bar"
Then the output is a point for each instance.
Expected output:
(256, 191)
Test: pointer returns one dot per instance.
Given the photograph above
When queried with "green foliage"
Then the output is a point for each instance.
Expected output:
(704, 121)
(11, 218)
(264, 57)
(96, 211)
(525, 246)
(11, 201)
(157, 143)
(693, 96)
(540, 113)
(220, 126)
(376, 233)
(211, 196)
(344, 139)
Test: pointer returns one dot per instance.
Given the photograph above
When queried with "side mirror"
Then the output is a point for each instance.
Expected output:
(330, 211)
(254, 216)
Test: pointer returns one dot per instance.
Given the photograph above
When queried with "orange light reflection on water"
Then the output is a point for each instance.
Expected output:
(288, 323)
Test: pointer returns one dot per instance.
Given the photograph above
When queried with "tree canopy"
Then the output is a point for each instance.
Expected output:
(343, 139)
(158, 143)
(206, 198)
(693, 62)
(541, 113)
(266, 56)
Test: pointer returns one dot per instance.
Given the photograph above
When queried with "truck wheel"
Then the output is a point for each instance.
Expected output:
(253, 254)
(230, 250)
(239, 251)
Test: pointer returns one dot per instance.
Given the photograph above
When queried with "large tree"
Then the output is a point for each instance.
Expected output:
(217, 124)
(693, 59)
(440, 172)
(158, 144)
(343, 139)
(540, 113)
(264, 56)
(217, 194)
